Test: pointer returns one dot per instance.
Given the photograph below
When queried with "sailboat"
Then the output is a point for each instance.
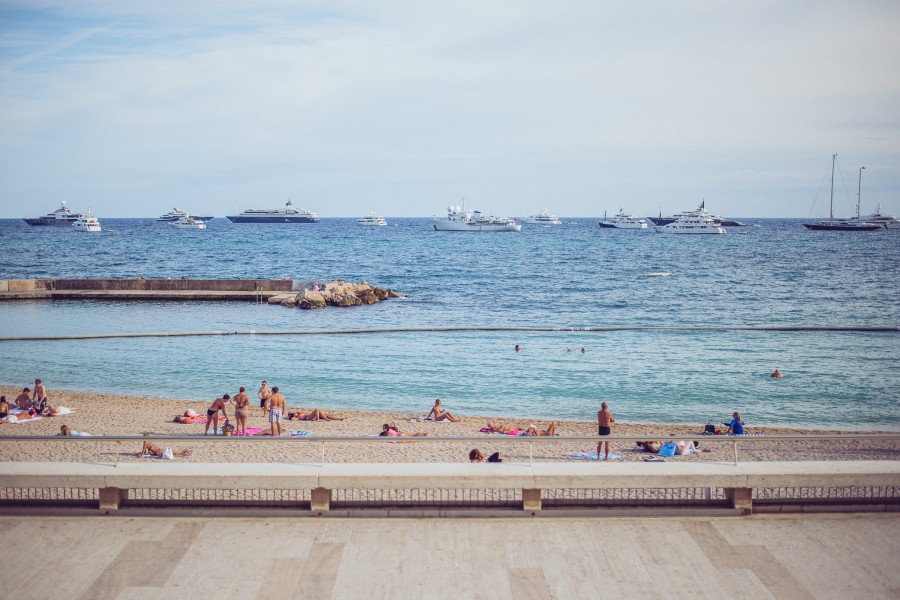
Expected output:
(833, 224)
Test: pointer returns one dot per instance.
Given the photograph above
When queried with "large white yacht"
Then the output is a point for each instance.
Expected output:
(701, 223)
(61, 217)
(888, 221)
(624, 220)
(459, 219)
(87, 222)
(373, 219)
(543, 218)
(288, 214)
(188, 222)
(175, 214)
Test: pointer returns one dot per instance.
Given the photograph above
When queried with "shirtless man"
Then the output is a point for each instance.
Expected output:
(275, 405)
(263, 395)
(212, 413)
(23, 399)
(604, 425)
(241, 408)
(39, 394)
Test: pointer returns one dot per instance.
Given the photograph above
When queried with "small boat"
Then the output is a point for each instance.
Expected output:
(623, 220)
(459, 219)
(372, 220)
(175, 214)
(543, 218)
(188, 222)
(698, 223)
(288, 214)
(87, 222)
(61, 217)
(833, 224)
(888, 221)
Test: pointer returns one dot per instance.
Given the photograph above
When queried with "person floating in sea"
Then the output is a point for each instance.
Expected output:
(604, 427)
(439, 415)
(776, 374)
(517, 348)
(736, 426)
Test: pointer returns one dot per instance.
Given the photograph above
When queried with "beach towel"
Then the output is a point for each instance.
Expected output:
(301, 434)
(669, 449)
(510, 432)
(592, 455)
(63, 410)
(654, 459)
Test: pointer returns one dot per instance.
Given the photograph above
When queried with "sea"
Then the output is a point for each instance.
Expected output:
(665, 328)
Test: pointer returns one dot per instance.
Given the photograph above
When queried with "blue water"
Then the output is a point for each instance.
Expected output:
(773, 273)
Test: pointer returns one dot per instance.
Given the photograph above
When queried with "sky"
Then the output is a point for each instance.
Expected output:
(405, 107)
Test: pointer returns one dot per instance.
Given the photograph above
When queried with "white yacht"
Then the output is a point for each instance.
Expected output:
(175, 214)
(288, 214)
(700, 223)
(544, 218)
(373, 219)
(459, 219)
(61, 217)
(188, 222)
(624, 220)
(87, 222)
(888, 221)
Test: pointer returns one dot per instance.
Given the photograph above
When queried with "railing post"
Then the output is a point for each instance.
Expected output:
(111, 498)
(531, 499)
(320, 499)
(741, 498)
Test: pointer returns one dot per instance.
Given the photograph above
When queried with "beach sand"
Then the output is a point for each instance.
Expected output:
(109, 414)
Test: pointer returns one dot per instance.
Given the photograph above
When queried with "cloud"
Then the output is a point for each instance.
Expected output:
(404, 106)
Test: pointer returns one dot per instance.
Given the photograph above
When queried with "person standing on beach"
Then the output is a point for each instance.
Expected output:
(241, 408)
(604, 427)
(212, 414)
(263, 395)
(275, 405)
(39, 394)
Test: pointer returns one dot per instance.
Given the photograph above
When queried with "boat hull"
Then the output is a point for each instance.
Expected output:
(842, 226)
(479, 227)
(171, 219)
(272, 219)
(41, 221)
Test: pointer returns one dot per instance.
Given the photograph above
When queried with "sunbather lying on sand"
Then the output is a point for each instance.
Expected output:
(503, 428)
(316, 414)
(393, 431)
(532, 430)
(149, 448)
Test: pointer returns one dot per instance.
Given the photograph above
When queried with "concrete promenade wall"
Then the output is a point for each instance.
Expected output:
(212, 285)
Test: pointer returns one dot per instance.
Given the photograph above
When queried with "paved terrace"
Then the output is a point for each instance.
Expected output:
(802, 556)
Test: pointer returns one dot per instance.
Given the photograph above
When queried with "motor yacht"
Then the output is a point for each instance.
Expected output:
(175, 214)
(288, 214)
(623, 220)
(888, 221)
(188, 222)
(692, 224)
(459, 219)
(543, 218)
(61, 217)
(372, 220)
(87, 222)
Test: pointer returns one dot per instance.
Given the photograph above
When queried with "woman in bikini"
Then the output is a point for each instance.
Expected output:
(503, 429)
(241, 409)
(439, 415)
(534, 431)
(316, 414)
(212, 414)
(149, 448)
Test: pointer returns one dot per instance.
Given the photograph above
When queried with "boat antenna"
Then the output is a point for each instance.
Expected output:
(859, 192)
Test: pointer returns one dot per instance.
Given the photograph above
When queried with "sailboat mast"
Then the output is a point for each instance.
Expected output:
(859, 192)
(831, 204)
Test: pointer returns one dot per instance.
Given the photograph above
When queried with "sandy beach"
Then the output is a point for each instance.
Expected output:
(105, 414)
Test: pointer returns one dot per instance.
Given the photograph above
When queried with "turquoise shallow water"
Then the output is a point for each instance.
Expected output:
(574, 275)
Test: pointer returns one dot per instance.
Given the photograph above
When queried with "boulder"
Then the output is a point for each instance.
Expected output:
(340, 293)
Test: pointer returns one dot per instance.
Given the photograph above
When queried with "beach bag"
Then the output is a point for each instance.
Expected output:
(227, 428)
(710, 429)
(167, 454)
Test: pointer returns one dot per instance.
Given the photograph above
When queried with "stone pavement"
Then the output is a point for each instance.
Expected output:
(126, 558)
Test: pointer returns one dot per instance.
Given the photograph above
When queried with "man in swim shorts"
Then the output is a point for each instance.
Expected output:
(604, 427)
(275, 405)
(39, 395)
(263, 395)
(23, 399)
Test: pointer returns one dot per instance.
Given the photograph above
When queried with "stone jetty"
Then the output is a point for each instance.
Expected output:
(335, 293)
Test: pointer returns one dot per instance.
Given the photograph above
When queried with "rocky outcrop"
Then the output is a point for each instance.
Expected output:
(338, 293)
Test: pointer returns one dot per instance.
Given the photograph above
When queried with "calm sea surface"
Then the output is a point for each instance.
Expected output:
(772, 273)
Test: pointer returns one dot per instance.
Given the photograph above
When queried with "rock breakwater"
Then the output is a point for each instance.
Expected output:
(335, 293)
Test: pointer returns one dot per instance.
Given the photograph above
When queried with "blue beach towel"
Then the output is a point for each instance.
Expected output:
(301, 434)
(592, 455)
